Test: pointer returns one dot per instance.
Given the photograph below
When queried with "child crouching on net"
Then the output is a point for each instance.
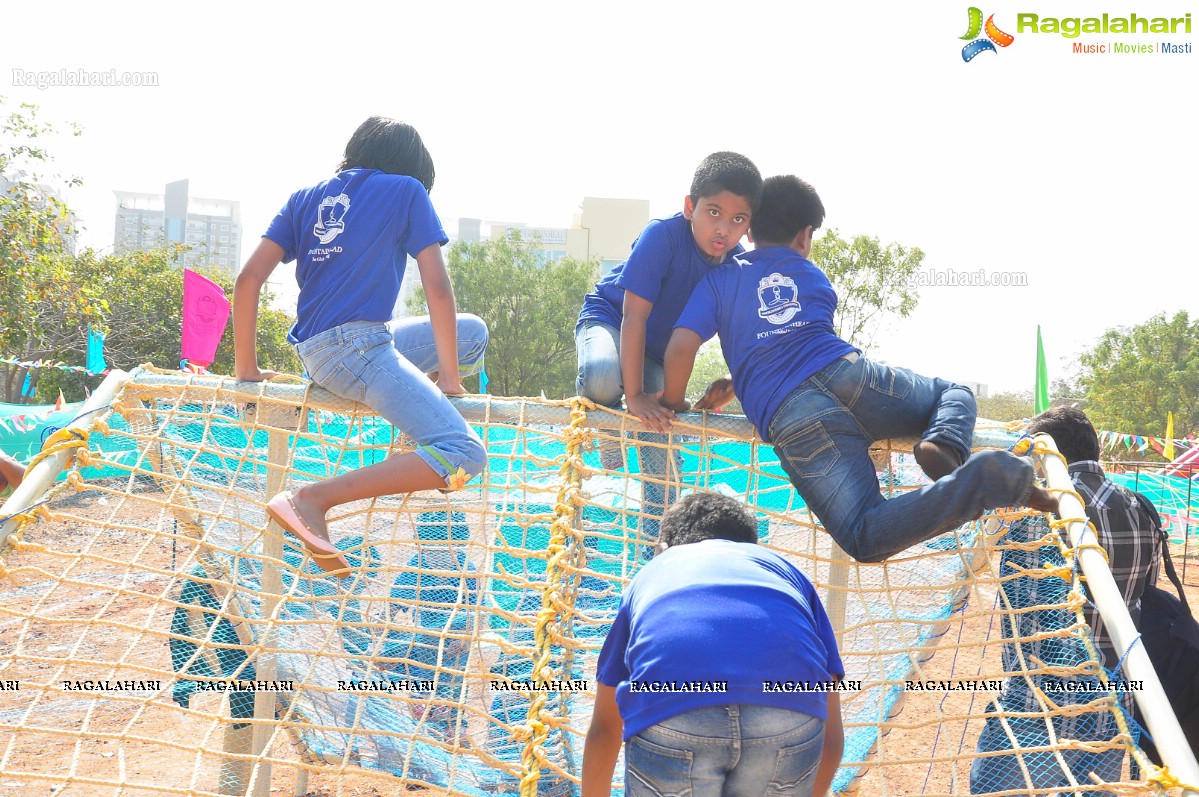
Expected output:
(351, 236)
(822, 404)
(684, 677)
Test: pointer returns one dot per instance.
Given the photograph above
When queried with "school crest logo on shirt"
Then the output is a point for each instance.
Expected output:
(329, 217)
(778, 298)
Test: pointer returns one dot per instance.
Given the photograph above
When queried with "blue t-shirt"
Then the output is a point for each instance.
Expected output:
(351, 237)
(717, 611)
(663, 268)
(774, 313)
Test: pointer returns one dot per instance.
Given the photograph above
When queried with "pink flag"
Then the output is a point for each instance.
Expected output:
(205, 313)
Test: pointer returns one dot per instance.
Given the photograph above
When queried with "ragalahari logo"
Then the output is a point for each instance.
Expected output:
(981, 45)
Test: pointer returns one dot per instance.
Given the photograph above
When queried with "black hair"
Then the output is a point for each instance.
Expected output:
(727, 171)
(389, 146)
(707, 516)
(1071, 430)
(788, 206)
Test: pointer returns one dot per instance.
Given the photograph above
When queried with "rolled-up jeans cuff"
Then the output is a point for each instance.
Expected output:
(455, 478)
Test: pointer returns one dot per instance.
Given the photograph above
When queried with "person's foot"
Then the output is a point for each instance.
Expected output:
(611, 455)
(297, 517)
(1042, 500)
(935, 459)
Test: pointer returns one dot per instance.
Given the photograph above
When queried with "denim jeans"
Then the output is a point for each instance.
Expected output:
(597, 347)
(384, 367)
(726, 751)
(823, 432)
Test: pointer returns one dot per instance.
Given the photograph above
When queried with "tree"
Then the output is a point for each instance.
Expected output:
(143, 299)
(530, 306)
(1010, 406)
(872, 282)
(49, 296)
(39, 297)
(1134, 376)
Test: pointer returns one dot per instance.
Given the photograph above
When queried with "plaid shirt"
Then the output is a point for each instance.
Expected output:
(1133, 548)
(1128, 535)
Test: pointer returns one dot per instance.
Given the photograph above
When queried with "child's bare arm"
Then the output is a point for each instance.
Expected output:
(443, 314)
(603, 743)
(11, 471)
(834, 747)
(246, 291)
(632, 365)
(680, 360)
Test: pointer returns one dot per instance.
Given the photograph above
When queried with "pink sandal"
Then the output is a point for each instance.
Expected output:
(324, 553)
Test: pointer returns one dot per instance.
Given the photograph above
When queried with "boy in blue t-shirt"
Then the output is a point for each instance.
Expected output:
(821, 404)
(719, 639)
(625, 323)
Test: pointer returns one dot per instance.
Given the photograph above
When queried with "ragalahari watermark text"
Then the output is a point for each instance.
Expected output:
(81, 78)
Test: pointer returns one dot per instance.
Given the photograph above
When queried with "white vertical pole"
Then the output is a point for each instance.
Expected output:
(838, 582)
(279, 418)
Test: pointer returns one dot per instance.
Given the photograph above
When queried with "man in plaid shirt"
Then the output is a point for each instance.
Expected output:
(1129, 537)
(1125, 530)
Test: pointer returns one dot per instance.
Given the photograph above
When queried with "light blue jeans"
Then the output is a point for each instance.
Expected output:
(726, 751)
(384, 366)
(597, 347)
(822, 434)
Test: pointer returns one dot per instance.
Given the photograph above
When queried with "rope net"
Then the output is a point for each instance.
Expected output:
(159, 636)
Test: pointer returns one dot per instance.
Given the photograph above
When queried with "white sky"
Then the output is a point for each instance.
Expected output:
(1079, 170)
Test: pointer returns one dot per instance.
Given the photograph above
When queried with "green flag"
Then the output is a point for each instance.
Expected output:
(1041, 393)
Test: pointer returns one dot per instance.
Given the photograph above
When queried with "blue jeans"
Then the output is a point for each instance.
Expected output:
(726, 751)
(383, 366)
(597, 347)
(823, 432)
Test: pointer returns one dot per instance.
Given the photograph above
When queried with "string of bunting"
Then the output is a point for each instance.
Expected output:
(1109, 439)
(58, 366)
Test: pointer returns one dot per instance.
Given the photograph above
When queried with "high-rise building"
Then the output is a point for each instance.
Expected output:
(210, 227)
(980, 389)
(605, 229)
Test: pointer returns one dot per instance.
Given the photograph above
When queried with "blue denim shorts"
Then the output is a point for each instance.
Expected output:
(719, 750)
(360, 361)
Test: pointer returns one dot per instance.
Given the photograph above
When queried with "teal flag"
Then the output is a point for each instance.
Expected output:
(1041, 393)
(483, 380)
(95, 351)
